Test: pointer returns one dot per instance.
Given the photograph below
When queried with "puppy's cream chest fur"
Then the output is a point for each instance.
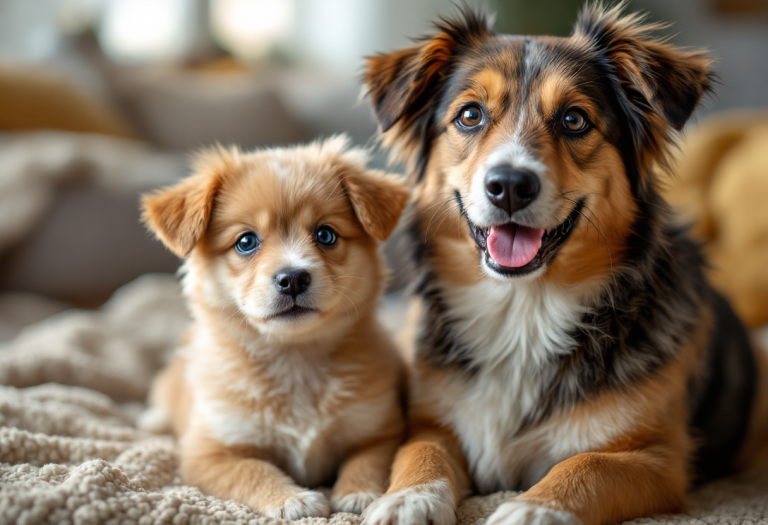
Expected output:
(517, 332)
(301, 412)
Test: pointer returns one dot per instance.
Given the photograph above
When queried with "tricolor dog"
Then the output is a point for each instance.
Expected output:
(566, 340)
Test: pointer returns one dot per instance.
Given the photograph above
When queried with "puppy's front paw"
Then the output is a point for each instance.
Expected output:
(521, 512)
(354, 503)
(304, 504)
(431, 504)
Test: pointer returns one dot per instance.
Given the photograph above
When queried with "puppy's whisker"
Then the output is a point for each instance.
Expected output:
(232, 320)
(346, 310)
(337, 277)
(245, 331)
(357, 294)
(351, 301)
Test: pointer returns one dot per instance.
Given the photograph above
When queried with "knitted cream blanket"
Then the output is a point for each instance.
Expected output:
(70, 453)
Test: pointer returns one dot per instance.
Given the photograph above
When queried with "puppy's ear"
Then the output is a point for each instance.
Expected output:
(658, 85)
(378, 200)
(404, 86)
(179, 215)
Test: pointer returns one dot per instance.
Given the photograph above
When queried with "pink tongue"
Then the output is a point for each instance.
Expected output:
(514, 246)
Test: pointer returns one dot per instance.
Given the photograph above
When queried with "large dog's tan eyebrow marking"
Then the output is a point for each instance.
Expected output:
(558, 89)
(494, 89)
(489, 87)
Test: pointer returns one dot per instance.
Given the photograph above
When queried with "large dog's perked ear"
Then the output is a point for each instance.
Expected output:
(658, 85)
(179, 215)
(404, 86)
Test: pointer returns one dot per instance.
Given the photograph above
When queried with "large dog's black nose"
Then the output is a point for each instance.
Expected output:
(292, 282)
(511, 189)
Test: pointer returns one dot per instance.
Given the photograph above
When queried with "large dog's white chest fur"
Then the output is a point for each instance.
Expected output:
(515, 332)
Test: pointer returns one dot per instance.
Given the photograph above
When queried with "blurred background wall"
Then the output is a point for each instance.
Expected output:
(101, 99)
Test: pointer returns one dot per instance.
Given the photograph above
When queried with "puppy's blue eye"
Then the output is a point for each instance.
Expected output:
(247, 244)
(326, 236)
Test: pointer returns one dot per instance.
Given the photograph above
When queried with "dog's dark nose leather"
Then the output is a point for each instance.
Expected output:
(292, 282)
(511, 189)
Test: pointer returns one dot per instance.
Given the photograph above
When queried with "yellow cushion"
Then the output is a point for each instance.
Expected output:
(38, 99)
(722, 186)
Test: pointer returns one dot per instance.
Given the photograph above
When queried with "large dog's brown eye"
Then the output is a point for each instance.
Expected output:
(471, 116)
(574, 121)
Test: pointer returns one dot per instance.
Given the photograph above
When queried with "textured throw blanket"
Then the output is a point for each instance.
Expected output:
(70, 453)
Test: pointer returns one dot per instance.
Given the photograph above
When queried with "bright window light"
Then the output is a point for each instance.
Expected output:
(138, 31)
(249, 28)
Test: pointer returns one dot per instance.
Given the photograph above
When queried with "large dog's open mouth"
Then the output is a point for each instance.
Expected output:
(515, 250)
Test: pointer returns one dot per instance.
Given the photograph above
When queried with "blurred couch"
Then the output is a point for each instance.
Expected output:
(69, 216)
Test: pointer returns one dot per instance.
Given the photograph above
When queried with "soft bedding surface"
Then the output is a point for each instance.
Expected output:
(70, 453)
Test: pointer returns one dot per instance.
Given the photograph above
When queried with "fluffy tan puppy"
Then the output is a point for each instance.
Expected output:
(286, 379)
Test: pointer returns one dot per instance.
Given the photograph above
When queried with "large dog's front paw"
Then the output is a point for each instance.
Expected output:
(303, 504)
(354, 503)
(431, 504)
(521, 512)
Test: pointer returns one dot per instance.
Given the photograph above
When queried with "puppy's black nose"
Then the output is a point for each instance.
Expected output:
(511, 189)
(292, 282)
